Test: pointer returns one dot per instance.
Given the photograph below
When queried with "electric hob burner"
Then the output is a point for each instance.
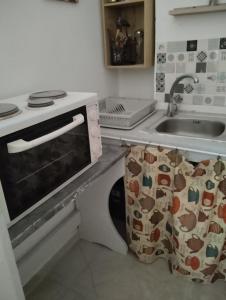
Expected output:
(8, 110)
(53, 94)
(40, 102)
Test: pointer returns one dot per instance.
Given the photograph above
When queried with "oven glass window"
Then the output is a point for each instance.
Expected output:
(29, 176)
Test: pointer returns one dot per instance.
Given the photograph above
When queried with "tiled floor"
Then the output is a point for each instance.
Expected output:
(91, 272)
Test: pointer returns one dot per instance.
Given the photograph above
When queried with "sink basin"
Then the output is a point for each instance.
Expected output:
(191, 127)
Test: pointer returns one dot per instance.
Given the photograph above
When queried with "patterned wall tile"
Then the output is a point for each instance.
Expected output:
(169, 80)
(202, 45)
(191, 56)
(223, 43)
(160, 68)
(170, 68)
(212, 77)
(181, 57)
(213, 44)
(208, 100)
(160, 77)
(219, 100)
(178, 98)
(160, 97)
(201, 67)
(190, 68)
(213, 55)
(167, 98)
(221, 89)
(212, 67)
(188, 88)
(161, 47)
(211, 88)
(188, 99)
(198, 100)
(160, 83)
(176, 46)
(192, 45)
(180, 67)
(204, 58)
(166, 68)
(161, 58)
(202, 79)
(170, 57)
(222, 56)
(221, 66)
(179, 88)
(160, 87)
(200, 88)
(221, 77)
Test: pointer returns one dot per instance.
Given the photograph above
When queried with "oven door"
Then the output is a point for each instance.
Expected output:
(40, 159)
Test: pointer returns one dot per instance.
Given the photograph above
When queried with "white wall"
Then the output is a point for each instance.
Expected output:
(49, 44)
(136, 83)
(169, 28)
(201, 26)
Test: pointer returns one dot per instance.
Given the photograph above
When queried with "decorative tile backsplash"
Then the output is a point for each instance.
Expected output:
(204, 58)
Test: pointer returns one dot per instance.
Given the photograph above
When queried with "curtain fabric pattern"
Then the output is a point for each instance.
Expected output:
(177, 211)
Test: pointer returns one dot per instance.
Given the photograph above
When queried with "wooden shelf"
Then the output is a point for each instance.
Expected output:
(137, 66)
(203, 9)
(124, 3)
(140, 15)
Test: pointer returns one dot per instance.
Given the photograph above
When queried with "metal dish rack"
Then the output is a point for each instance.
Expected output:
(124, 113)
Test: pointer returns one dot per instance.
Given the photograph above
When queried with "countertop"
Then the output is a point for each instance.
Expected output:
(38, 217)
(145, 133)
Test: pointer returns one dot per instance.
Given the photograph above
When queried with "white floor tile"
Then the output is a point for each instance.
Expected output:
(92, 272)
(69, 268)
(46, 290)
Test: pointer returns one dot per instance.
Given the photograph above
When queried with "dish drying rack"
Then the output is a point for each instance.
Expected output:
(124, 113)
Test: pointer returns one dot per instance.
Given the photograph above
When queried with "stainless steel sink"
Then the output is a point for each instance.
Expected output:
(191, 127)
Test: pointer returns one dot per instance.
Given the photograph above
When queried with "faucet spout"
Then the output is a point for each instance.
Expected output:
(172, 106)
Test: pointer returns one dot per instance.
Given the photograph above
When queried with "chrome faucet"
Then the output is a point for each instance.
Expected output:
(172, 106)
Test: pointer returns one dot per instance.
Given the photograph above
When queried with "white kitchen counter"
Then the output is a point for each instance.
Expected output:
(194, 148)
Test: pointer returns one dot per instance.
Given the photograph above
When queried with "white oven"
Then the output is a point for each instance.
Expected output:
(42, 149)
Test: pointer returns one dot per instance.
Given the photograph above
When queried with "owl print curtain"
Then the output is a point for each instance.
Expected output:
(177, 211)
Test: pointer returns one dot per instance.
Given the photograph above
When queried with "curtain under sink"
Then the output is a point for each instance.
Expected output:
(177, 211)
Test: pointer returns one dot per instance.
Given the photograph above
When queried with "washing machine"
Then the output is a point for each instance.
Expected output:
(102, 209)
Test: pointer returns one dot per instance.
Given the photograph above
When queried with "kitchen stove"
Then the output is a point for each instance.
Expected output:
(57, 143)
(28, 117)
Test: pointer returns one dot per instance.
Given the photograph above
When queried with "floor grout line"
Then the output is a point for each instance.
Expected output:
(91, 272)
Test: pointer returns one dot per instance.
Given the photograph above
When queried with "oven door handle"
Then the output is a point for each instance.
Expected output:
(21, 145)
